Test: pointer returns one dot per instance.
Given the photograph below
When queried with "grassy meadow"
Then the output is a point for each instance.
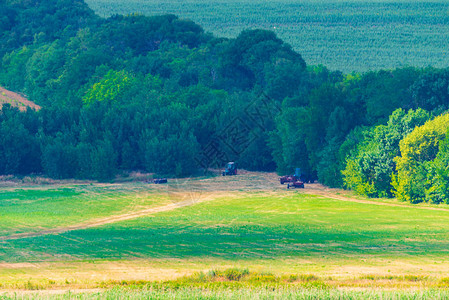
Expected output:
(253, 227)
(354, 35)
(237, 242)
(31, 209)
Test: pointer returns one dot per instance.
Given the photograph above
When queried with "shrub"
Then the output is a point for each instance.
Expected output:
(235, 274)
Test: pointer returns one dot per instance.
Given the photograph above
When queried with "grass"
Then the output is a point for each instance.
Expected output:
(248, 293)
(248, 226)
(250, 240)
(252, 226)
(36, 208)
(231, 284)
(353, 35)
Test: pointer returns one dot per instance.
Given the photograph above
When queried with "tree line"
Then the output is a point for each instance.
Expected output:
(159, 94)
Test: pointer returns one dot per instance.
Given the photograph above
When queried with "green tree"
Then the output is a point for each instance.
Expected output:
(437, 190)
(110, 88)
(104, 161)
(431, 90)
(417, 149)
(369, 170)
(59, 159)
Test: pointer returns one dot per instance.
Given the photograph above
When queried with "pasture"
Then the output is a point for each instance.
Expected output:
(184, 238)
(354, 35)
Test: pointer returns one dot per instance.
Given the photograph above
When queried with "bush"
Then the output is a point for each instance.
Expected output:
(235, 274)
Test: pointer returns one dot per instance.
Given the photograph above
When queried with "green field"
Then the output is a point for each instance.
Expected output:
(354, 35)
(293, 243)
(31, 209)
(253, 226)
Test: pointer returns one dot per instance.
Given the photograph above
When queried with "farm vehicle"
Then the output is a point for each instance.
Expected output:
(293, 181)
(291, 178)
(298, 176)
(159, 180)
(297, 184)
(230, 169)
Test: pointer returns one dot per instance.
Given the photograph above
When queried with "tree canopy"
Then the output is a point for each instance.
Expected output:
(159, 94)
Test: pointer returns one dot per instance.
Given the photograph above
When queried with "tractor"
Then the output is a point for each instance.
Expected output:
(291, 178)
(293, 181)
(230, 169)
(297, 184)
(160, 180)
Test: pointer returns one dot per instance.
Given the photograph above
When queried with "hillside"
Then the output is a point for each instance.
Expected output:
(16, 100)
(123, 100)
(161, 95)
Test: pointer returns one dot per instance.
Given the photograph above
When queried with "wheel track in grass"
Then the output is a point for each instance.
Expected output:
(111, 219)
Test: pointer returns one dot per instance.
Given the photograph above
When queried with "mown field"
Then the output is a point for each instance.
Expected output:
(233, 239)
(354, 35)
(32, 209)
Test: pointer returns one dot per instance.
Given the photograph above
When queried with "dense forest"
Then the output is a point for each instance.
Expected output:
(159, 94)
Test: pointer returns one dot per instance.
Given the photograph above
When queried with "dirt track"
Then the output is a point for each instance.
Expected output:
(187, 192)
(109, 220)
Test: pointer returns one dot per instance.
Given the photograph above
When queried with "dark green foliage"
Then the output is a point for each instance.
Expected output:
(19, 144)
(157, 94)
(142, 34)
(103, 161)
(59, 159)
(13, 68)
(253, 53)
(431, 90)
(29, 21)
(384, 91)
(170, 154)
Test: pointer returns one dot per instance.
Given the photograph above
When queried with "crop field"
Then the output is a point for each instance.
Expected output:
(354, 35)
(218, 237)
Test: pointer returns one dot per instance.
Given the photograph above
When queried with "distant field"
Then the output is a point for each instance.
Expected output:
(353, 35)
(326, 238)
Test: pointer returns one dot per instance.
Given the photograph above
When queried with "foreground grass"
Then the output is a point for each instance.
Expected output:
(235, 284)
(256, 293)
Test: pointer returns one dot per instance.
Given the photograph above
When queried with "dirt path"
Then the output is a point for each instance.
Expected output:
(111, 219)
